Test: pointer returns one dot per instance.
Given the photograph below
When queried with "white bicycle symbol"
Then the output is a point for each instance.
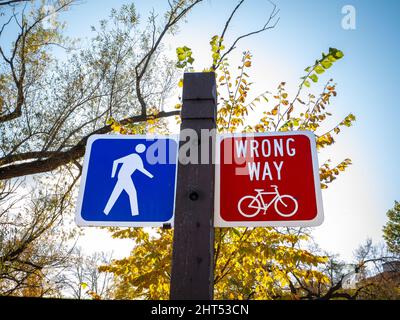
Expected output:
(250, 206)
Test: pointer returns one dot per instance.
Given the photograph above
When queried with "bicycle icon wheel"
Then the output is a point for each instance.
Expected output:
(286, 206)
(249, 206)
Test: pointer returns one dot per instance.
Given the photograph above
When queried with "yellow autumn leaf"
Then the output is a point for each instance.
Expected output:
(247, 64)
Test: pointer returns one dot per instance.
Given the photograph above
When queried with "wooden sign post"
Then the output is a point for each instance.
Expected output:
(192, 275)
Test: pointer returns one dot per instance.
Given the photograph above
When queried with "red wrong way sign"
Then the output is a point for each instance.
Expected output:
(267, 179)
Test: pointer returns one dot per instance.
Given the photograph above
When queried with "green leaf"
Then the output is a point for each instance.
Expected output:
(307, 84)
(326, 64)
(339, 54)
(319, 70)
(236, 231)
(331, 58)
(314, 77)
(110, 121)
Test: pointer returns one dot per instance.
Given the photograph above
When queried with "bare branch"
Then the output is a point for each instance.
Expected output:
(12, 2)
(266, 26)
(174, 16)
(61, 158)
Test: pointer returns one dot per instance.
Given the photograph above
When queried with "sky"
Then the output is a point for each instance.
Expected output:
(355, 204)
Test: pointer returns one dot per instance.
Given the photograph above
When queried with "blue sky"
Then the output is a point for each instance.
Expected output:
(355, 205)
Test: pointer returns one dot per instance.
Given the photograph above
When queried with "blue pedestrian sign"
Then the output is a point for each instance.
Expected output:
(128, 181)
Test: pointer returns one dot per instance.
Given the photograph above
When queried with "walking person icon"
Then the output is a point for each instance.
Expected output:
(130, 164)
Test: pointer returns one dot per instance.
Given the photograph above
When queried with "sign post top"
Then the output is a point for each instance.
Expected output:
(199, 86)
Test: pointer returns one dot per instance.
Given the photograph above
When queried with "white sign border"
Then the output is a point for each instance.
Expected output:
(219, 222)
(85, 223)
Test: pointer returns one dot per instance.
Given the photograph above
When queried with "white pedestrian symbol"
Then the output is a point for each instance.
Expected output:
(130, 164)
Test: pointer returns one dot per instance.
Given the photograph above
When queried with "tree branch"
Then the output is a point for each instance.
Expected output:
(10, 2)
(266, 26)
(173, 18)
(61, 158)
